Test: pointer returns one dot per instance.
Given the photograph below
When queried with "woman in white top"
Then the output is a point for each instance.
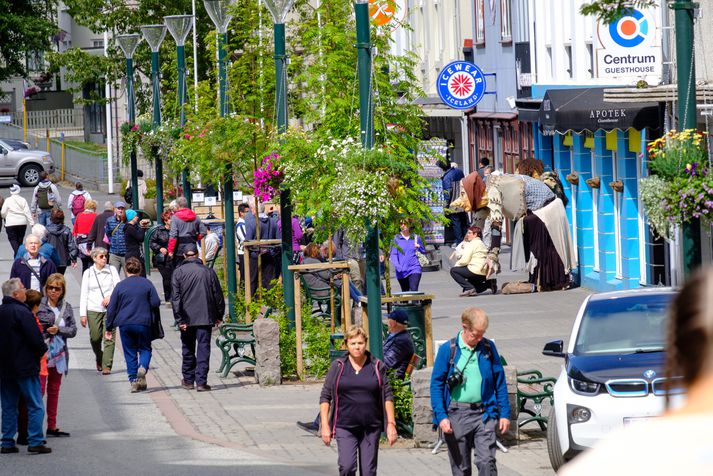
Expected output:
(680, 441)
(98, 282)
(18, 217)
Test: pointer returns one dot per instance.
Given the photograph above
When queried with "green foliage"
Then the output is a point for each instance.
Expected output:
(609, 11)
(403, 400)
(653, 196)
(83, 69)
(25, 27)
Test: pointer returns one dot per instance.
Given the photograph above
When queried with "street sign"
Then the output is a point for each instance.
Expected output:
(210, 201)
(197, 197)
(630, 47)
(461, 85)
(237, 196)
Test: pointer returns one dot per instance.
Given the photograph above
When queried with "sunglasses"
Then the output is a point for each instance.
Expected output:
(101, 256)
(54, 288)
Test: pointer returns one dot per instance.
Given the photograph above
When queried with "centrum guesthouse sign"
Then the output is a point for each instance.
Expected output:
(461, 85)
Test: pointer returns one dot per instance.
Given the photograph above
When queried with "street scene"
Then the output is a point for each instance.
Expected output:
(328, 237)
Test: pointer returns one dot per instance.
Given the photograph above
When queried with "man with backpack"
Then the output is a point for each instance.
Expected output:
(45, 197)
(77, 199)
(469, 396)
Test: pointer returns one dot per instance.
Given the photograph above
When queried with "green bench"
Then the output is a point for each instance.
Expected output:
(237, 344)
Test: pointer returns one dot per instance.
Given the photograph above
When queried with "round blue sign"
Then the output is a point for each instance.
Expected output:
(461, 85)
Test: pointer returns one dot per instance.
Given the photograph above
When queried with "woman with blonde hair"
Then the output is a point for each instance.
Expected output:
(57, 319)
(356, 405)
(680, 442)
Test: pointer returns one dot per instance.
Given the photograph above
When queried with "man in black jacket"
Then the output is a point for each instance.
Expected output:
(96, 234)
(21, 348)
(198, 305)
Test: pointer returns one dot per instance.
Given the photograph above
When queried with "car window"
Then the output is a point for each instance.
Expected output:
(624, 325)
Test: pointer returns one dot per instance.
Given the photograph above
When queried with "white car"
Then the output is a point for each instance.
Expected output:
(613, 372)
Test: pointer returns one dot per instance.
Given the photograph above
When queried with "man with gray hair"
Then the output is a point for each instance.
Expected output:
(46, 249)
(21, 348)
(186, 228)
(469, 396)
(96, 234)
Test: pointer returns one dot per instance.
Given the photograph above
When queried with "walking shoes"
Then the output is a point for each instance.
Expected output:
(141, 378)
(135, 387)
(5, 450)
(56, 432)
(39, 450)
(203, 388)
(186, 385)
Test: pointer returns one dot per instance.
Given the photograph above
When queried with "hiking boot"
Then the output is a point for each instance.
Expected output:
(5, 450)
(203, 388)
(186, 385)
(39, 450)
(141, 378)
(135, 387)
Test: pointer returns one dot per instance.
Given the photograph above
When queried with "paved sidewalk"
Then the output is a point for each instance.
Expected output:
(242, 428)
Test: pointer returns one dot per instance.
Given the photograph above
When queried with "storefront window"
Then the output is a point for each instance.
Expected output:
(480, 23)
(505, 22)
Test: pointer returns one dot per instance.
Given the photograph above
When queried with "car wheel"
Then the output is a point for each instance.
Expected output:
(554, 450)
(30, 175)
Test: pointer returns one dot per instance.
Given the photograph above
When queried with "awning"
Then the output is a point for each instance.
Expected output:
(528, 109)
(578, 110)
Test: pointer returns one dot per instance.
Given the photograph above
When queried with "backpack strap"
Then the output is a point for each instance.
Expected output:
(453, 353)
(32, 270)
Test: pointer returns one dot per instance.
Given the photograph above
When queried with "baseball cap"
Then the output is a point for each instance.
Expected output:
(399, 315)
(119, 204)
(190, 249)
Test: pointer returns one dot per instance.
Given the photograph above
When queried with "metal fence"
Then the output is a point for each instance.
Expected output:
(67, 121)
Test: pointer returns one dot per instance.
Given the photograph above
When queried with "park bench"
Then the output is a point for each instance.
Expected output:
(321, 296)
(237, 344)
(533, 387)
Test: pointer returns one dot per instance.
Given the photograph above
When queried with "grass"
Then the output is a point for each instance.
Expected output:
(86, 146)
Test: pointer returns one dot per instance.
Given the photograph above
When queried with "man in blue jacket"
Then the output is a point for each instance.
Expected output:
(21, 348)
(469, 396)
(398, 346)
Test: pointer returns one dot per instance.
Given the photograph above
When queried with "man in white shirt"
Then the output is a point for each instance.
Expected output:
(212, 244)
(240, 238)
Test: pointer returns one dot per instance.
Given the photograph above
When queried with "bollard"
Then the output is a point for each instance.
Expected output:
(267, 352)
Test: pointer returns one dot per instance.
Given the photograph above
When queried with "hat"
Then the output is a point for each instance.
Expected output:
(15, 189)
(190, 249)
(130, 214)
(119, 204)
(399, 315)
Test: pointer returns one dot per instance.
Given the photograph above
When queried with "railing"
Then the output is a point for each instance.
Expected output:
(64, 119)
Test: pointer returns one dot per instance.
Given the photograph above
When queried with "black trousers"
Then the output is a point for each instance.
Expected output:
(15, 235)
(468, 280)
(166, 271)
(270, 270)
(196, 354)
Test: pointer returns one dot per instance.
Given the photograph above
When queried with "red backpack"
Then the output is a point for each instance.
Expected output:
(78, 204)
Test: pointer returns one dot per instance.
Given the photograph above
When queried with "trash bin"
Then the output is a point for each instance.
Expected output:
(416, 318)
(335, 347)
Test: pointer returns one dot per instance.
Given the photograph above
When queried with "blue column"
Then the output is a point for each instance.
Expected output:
(607, 243)
(585, 214)
(563, 167)
(629, 212)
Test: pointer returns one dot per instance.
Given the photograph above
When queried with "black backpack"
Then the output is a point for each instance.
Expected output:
(128, 195)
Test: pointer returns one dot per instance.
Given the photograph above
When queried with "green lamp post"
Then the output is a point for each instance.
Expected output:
(154, 35)
(219, 14)
(366, 118)
(279, 10)
(179, 26)
(128, 44)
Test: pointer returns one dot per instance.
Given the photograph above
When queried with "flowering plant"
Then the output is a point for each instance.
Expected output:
(680, 188)
(144, 136)
(267, 178)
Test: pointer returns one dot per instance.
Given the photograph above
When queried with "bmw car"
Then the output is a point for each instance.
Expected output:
(613, 373)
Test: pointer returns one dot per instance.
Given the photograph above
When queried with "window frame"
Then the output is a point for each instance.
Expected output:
(479, 40)
(505, 21)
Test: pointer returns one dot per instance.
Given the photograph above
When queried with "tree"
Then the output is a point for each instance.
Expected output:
(25, 26)
(611, 10)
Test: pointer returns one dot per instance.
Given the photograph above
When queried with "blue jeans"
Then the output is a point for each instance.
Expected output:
(354, 292)
(44, 216)
(136, 341)
(10, 390)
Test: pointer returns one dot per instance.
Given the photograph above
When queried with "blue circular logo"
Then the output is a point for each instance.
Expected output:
(630, 29)
(461, 85)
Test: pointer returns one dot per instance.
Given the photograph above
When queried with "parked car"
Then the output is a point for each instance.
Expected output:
(15, 143)
(24, 165)
(613, 372)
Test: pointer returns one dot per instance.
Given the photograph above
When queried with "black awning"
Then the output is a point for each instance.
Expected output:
(528, 109)
(580, 110)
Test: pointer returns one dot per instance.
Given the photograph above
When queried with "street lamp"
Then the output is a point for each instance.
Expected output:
(128, 44)
(366, 120)
(154, 35)
(179, 26)
(219, 14)
(279, 10)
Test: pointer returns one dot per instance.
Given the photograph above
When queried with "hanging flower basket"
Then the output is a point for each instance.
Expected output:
(680, 188)
(267, 178)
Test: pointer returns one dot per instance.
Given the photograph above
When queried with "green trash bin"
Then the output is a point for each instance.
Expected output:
(416, 319)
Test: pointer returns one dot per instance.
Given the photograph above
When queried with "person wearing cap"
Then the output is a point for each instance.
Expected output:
(114, 231)
(17, 216)
(398, 347)
(96, 233)
(198, 305)
(134, 233)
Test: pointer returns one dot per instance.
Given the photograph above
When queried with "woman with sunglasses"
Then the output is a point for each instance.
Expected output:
(57, 319)
(98, 282)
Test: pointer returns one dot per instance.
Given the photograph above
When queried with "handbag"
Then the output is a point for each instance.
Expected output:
(56, 355)
(422, 258)
(156, 326)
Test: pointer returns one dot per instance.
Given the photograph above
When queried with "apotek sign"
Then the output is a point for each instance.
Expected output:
(630, 47)
(461, 85)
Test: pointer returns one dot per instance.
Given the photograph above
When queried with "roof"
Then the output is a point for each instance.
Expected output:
(632, 293)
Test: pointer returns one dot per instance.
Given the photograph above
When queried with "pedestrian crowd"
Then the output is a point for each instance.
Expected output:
(37, 321)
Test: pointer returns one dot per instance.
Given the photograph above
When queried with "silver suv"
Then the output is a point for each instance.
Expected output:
(23, 164)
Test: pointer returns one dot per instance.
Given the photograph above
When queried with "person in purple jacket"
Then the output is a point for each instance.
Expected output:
(403, 257)
(356, 405)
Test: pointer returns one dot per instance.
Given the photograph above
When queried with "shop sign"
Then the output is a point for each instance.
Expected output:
(461, 85)
(630, 47)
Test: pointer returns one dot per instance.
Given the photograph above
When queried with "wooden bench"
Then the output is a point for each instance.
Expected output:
(533, 387)
(237, 344)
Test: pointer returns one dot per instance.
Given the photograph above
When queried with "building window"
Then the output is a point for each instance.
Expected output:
(480, 23)
(35, 61)
(505, 22)
(568, 53)
(98, 43)
(590, 54)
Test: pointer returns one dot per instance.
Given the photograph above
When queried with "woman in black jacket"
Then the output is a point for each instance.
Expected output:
(60, 236)
(356, 405)
(161, 260)
(134, 238)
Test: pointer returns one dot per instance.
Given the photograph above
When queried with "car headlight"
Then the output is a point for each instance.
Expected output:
(46, 158)
(583, 387)
(576, 414)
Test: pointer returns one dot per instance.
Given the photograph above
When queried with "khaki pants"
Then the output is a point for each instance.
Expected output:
(105, 357)
(117, 261)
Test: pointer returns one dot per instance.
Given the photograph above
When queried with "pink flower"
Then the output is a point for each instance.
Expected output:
(134, 128)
